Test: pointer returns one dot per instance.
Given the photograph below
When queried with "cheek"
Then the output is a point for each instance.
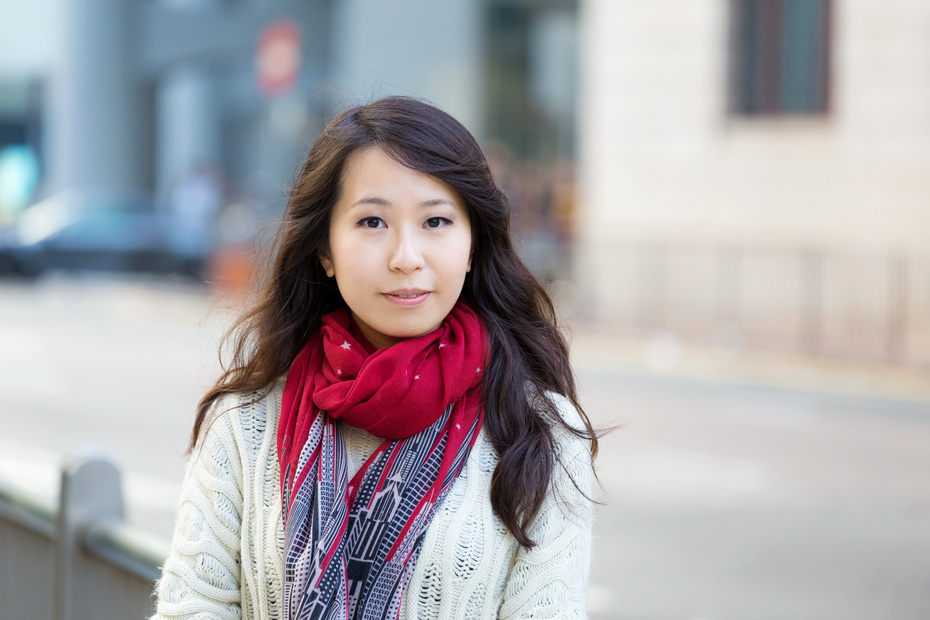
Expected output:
(458, 259)
(343, 253)
(356, 264)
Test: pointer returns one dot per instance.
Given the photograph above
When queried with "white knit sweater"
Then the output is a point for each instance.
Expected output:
(226, 554)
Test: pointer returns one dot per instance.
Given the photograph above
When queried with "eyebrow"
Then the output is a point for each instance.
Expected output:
(381, 202)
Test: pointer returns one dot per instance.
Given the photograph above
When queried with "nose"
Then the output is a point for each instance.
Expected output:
(406, 255)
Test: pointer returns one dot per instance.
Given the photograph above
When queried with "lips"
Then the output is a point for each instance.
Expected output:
(407, 297)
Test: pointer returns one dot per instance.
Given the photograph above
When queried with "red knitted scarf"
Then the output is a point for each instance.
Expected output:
(350, 546)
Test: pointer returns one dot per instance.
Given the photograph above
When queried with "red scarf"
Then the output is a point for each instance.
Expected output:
(350, 547)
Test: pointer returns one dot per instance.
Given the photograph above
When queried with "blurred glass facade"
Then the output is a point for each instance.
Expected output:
(168, 97)
(532, 76)
(20, 144)
(506, 68)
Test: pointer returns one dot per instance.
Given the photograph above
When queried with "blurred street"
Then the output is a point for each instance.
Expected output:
(726, 497)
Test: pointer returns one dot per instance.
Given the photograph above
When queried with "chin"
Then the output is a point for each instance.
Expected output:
(412, 331)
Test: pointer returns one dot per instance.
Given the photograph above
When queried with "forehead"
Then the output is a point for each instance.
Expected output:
(371, 173)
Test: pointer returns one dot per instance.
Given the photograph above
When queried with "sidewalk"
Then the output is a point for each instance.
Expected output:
(663, 355)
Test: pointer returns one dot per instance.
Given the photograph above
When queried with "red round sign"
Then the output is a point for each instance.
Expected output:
(277, 60)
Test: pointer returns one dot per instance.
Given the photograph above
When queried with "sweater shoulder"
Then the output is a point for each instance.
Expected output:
(569, 427)
(573, 483)
(246, 417)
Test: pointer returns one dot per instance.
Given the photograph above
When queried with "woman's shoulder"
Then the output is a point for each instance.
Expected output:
(572, 435)
(567, 411)
(560, 412)
(244, 417)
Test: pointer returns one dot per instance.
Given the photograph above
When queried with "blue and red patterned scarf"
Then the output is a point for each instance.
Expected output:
(350, 547)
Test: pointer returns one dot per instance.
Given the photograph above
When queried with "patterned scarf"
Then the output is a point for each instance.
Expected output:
(350, 547)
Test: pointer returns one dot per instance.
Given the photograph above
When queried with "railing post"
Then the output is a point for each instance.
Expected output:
(896, 329)
(728, 292)
(811, 297)
(90, 492)
(652, 274)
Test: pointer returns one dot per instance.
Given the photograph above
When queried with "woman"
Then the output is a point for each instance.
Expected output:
(398, 434)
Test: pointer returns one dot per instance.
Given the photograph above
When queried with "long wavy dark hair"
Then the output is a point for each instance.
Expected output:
(528, 355)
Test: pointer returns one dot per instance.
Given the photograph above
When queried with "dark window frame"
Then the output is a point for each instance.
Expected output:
(780, 58)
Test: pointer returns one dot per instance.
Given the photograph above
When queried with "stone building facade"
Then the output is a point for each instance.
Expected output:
(796, 225)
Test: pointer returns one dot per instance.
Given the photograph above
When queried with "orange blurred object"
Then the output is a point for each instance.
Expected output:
(231, 267)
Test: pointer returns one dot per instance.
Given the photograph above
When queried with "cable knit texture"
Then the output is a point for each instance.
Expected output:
(226, 554)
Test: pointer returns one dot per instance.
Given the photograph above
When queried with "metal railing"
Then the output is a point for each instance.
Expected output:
(78, 559)
(871, 306)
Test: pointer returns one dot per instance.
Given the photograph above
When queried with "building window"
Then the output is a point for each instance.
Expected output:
(780, 57)
(530, 61)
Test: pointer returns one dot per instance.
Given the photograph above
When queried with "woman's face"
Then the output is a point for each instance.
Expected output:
(399, 247)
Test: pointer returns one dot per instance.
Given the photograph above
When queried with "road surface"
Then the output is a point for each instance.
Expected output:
(721, 502)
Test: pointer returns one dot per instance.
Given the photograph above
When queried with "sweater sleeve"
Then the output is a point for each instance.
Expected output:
(201, 577)
(550, 580)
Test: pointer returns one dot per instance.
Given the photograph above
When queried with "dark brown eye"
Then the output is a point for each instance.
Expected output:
(436, 222)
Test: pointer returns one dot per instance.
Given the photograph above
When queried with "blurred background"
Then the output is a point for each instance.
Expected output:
(728, 200)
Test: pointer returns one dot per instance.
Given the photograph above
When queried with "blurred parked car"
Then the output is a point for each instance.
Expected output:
(102, 230)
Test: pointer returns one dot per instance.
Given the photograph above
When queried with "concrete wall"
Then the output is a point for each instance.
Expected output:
(660, 158)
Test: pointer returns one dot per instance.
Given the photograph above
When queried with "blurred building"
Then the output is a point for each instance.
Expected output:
(144, 93)
(23, 57)
(758, 172)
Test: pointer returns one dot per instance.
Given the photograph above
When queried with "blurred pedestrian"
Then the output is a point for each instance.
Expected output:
(398, 435)
(195, 203)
